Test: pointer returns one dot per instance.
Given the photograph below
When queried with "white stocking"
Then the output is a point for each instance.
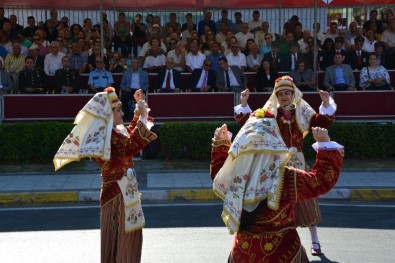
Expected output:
(314, 236)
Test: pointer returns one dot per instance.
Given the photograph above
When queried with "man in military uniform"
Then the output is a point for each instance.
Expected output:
(67, 79)
(32, 79)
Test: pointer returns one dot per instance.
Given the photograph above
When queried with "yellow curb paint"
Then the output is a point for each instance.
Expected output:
(38, 198)
(192, 195)
(372, 194)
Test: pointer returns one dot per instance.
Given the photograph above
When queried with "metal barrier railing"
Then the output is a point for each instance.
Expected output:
(275, 16)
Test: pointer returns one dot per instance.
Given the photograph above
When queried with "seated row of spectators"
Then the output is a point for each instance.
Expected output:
(338, 77)
(248, 46)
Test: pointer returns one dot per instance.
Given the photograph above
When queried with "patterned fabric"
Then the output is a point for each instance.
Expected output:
(134, 216)
(91, 137)
(252, 171)
(303, 110)
(268, 235)
(378, 72)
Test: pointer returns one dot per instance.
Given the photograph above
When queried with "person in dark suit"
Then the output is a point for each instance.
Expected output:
(169, 80)
(382, 58)
(199, 82)
(339, 80)
(326, 59)
(358, 58)
(230, 78)
(265, 77)
(339, 42)
(274, 57)
(290, 58)
(67, 79)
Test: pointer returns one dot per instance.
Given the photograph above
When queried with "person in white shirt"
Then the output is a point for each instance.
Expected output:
(388, 36)
(178, 55)
(320, 35)
(53, 60)
(194, 58)
(255, 24)
(303, 45)
(236, 58)
(155, 62)
(243, 36)
(260, 35)
(332, 34)
(368, 44)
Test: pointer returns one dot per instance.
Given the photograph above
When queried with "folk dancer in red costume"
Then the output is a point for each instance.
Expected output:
(295, 117)
(99, 133)
(260, 190)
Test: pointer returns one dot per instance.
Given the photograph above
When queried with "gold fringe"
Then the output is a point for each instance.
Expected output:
(257, 152)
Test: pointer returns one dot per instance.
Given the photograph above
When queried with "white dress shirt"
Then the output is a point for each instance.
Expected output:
(151, 61)
(242, 38)
(53, 63)
(171, 80)
(237, 60)
(195, 61)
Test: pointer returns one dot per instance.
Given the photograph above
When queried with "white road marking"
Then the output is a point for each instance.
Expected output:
(7, 209)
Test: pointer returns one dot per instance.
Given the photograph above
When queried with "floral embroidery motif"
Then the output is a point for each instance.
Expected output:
(268, 246)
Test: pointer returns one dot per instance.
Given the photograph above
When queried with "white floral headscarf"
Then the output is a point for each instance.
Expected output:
(304, 112)
(253, 170)
(91, 137)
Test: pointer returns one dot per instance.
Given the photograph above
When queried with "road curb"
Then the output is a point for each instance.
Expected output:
(206, 194)
(38, 197)
(372, 194)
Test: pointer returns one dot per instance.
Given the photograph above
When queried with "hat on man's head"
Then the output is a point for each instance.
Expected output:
(294, 44)
(379, 44)
(275, 44)
(284, 83)
(359, 40)
(295, 18)
(156, 25)
(34, 46)
(113, 97)
(339, 39)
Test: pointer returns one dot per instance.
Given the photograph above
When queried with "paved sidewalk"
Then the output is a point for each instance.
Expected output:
(170, 186)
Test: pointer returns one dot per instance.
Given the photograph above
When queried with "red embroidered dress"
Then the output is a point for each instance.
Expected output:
(267, 235)
(123, 148)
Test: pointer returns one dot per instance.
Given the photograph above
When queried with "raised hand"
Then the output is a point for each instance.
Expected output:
(142, 108)
(139, 95)
(320, 134)
(244, 95)
(221, 133)
(324, 97)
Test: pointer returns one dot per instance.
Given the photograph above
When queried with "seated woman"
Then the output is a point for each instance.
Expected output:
(303, 77)
(254, 59)
(374, 77)
(265, 77)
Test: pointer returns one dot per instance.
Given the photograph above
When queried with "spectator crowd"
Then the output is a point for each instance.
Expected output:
(50, 56)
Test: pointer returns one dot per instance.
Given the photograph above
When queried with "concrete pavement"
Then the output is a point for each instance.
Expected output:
(160, 185)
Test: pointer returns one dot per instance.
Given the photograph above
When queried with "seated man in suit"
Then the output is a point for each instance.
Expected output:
(358, 58)
(169, 80)
(132, 80)
(290, 59)
(274, 56)
(202, 79)
(339, 76)
(230, 78)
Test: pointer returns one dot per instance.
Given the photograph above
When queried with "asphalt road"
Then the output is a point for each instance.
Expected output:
(81, 217)
(190, 233)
